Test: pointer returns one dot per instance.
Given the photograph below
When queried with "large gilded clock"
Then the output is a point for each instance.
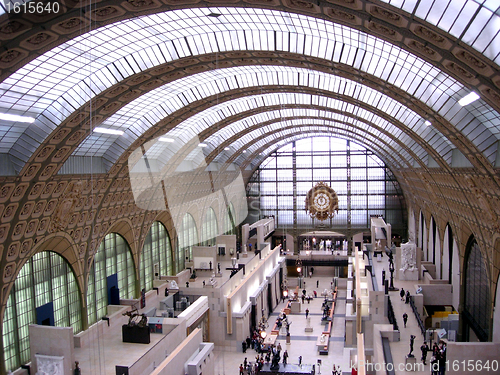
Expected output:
(322, 202)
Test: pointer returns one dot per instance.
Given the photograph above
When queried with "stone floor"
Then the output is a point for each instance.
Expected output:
(302, 343)
(402, 348)
(106, 352)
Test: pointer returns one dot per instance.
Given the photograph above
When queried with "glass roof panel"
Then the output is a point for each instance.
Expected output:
(106, 55)
(163, 101)
(474, 22)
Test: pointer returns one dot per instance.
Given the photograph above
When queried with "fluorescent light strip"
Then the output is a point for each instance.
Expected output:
(16, 118)
(226, 148)
(108, 131)
(202, 145)
(469, 98)
(428, 123)
(169, 140)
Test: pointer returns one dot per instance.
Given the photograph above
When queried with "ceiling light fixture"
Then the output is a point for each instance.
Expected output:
(164, 139)
(226, 148)
(469, 98)
(202, 145)
(108, 131)
(16, 118)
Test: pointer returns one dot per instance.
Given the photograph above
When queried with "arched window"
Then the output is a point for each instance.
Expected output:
(187, 238)
(156, 251)
(477, 305)
(209, 228)
(45, 291)
(112, 258)
(280, 185)
(229, 223)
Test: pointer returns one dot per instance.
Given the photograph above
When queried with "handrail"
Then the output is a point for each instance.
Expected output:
(391, 316)
(417, 316)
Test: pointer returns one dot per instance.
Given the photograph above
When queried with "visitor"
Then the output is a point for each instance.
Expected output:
(317, 283)
(402, 294)
(405, 318)
(285, 357)
(241, 368)
(407, 297)
(424, 349)
(307, 313)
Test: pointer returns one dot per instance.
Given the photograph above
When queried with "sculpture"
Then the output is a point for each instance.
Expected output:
(409, 253)
(412, 339)
(173, 284)
(132, 318)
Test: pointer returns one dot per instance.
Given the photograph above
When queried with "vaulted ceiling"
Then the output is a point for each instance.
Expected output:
(248, 76)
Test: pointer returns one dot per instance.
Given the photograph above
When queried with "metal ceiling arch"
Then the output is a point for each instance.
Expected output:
(413, 21)
(200, 117)
(322, 120)
(148, 109)
(278, 142)
(369, 141)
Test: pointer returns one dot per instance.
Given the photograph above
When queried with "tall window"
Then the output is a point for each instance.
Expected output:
(113, 257)
(477, 306)
(156, 251)
(46, 279)
(209, 228)
(187, 238)
(374, 190)
(229, 223)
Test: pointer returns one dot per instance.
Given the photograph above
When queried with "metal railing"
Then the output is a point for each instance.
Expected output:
(391, 316)
(417, 316)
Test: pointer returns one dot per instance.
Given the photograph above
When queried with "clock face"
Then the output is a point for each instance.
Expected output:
(321, 201)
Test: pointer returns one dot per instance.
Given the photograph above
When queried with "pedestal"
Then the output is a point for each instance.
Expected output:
(135, 334)
(408, 275)
(308, 326)
(218, 274)
(295, 307)
(410, 363)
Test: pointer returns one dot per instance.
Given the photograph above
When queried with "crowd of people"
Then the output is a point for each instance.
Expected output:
(268, 355)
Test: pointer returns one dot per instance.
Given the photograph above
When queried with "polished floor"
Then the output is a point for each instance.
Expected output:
(302, 343)
(106, 352)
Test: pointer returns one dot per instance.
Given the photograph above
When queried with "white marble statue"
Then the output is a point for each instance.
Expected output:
(173, 284)
(409, 253)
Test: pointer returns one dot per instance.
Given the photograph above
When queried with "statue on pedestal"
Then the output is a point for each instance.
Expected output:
(409, 253)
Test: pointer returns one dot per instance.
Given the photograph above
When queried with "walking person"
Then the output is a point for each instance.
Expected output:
(407, 297)
(285, 357)
(424, 349)
(402, 294)
(405, 318)
(307, 313)
(317, 283)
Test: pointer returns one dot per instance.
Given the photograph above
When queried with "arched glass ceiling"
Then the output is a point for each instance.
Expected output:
(252, 141)
(275, 141)
(302, 117)
(474, 22)
(195, 125)
(63, 79)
